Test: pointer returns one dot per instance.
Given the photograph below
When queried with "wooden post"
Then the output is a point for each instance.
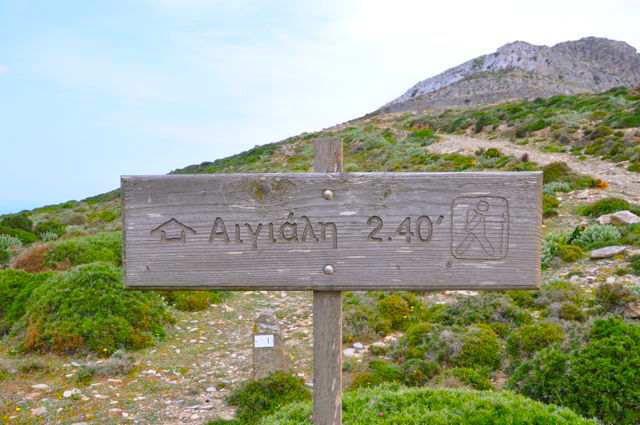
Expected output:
(327, 319)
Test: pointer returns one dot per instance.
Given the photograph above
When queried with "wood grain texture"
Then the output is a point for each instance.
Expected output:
(327, 156)
(171, 239)
(327, 319)
(327, 357)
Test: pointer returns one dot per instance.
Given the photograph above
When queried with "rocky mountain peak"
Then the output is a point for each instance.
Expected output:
(520, 70)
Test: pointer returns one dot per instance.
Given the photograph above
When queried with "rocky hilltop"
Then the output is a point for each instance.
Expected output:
(520, 70)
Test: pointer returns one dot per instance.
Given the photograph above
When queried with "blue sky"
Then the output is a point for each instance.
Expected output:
(93, 90)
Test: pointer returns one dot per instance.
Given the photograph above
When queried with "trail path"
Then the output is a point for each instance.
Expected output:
(183, 380)
(620, 180)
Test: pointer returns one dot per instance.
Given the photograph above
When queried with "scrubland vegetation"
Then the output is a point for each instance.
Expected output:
(471, 358)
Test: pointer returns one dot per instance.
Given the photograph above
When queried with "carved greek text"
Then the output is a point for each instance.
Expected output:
(223, 232)
(254, 235)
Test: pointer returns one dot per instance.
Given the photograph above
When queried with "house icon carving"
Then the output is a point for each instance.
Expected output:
(173, 230)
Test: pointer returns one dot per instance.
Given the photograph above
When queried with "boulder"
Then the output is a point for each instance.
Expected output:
(605, 219)
(607, 252)
(632, 310)
(624, 217)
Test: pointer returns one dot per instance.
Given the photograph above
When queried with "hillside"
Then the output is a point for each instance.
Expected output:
(520, 70)
(119, 356)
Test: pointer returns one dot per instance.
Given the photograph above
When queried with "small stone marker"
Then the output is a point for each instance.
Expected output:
(269, 349)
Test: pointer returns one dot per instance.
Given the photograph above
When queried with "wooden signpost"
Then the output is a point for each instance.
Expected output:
(328, 232)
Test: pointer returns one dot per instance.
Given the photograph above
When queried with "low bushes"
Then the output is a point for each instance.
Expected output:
(105, 247)
(480, 348)
(458, 377)
(531, 338)
(396, 405)
(15, 289)
(192, 300)
(597, 235)
(604, 206)
(257, 399)
(600, 378)
(88, 309)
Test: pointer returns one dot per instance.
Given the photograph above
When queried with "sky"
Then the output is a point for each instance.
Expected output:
(93, 90)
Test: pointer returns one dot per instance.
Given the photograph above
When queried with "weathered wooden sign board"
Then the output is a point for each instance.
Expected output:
(333, 231)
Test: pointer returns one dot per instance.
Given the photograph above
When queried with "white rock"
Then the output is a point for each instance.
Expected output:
(611, 279)
(582, 194)
(42, 387)
(624, 217)
(605, 219)
(607, 252)
(349, 352)
(358, 346)
(211, 390)
(574, 278)
(38, 411)
(71, 393)
(115, 412)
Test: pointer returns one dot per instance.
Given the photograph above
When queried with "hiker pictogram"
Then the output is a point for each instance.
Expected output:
(480, 227)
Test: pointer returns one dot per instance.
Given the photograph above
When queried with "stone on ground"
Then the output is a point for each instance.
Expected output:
(607, 252)
(267, 360)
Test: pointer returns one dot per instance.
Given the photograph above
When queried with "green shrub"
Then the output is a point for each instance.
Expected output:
(530, 338)
(464, 376)
(105, 216)
(26, 237)
(480, 348)
(611, 298)
(88, 309)
(50, 226)
(17, 221)
(361, 318)
(15, 289)
(635, 264)
(48, 236)
(605, 206)
(417, 372)
(396, 310)
(8, 242)
(486, 307)
(379, 371)
(600, 378)
(555, 171)
(192, 300)
(570, 253)
(396, 405)
(105, 247)
(5, 256)
(257, 399)
(556, 186)
(550, 247)
(598, 235)
(549, 205)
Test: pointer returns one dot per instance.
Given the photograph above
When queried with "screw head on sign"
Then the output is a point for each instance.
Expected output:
(327, 194)
(328, 269)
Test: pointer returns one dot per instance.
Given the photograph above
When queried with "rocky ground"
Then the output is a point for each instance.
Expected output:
(185, 379)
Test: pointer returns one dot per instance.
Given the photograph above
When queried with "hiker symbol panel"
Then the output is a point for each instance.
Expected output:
(480, 227)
